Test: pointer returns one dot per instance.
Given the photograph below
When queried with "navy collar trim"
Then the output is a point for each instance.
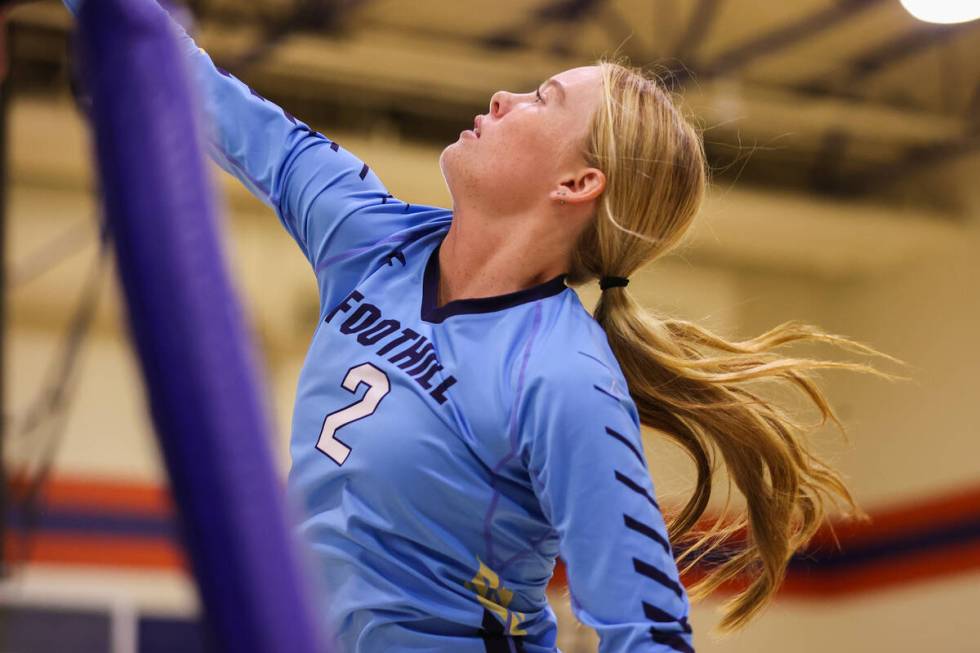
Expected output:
(436, 314)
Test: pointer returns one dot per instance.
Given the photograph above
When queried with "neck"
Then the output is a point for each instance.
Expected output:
(487, 257)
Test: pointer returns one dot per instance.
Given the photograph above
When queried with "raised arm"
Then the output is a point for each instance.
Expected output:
(582, 439)
(313, 183)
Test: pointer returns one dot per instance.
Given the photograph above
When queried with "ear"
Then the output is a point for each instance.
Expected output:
(586, 185)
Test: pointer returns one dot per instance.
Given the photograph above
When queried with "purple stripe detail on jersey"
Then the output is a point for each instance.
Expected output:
(532, 548)
(351, 253)
(605, 392)
(673, 640)
(436, 314)
(596, 359)
(518, 395)
(643, 529)
(656, 575)
(622, 438)
(217, 152)
(616, 378)
(653, 613)
(631, 484)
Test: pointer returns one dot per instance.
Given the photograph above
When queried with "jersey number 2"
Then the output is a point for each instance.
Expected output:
(378, 386)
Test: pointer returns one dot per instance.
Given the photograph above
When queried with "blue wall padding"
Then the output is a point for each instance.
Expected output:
(189, 330)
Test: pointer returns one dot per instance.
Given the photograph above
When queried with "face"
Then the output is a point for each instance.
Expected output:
(529, 146)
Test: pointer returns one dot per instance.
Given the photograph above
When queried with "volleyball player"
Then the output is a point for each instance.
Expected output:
(461, 421)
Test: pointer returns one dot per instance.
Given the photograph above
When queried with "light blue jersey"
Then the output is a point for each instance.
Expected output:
(445, 456)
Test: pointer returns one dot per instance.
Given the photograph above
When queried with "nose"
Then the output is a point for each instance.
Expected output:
(500, 103)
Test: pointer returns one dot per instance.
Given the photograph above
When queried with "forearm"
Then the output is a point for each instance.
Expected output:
(312, 183)
(248, 136)
(586, 461)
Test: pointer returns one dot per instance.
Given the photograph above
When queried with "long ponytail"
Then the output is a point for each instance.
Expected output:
(691, 384)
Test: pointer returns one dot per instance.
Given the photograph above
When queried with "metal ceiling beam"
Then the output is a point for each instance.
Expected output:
(702, 18)
(930, 139)
(323, 16)
(780, 38)
(914, 160)
(880, 57)
(617, 26)
(554, 11)
(826, 171)
(972, 113)
(917, 159)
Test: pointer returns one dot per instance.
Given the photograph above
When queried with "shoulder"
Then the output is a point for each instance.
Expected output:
(575, 397)
(573, 346)
(419, 220)
(572, 365)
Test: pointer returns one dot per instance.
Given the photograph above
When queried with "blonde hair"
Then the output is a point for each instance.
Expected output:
(656, 178)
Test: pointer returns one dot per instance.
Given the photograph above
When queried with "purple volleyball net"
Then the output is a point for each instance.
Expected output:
(189, 331)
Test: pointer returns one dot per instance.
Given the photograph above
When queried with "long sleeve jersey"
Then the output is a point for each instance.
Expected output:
(443, 457)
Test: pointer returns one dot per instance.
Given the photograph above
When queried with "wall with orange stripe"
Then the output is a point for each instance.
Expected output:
(92, 522)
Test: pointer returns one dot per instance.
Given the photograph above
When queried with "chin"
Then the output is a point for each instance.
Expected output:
(448, 163)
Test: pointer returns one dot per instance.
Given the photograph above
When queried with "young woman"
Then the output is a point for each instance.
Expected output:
(461, 421)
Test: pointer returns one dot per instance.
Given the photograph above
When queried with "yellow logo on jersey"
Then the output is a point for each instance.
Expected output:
(496, 599)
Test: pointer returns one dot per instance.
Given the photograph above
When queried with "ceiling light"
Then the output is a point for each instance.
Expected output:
(943, 11)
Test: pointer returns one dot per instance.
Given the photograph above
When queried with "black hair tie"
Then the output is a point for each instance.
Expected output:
(613, 282)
